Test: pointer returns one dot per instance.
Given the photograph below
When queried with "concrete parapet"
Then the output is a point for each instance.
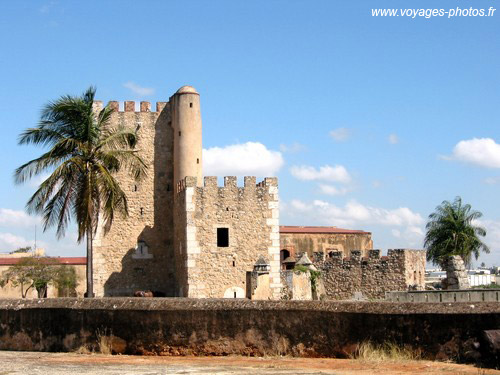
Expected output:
(471, 295)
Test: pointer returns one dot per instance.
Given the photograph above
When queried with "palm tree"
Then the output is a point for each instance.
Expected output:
(451, 231)
(85, 152)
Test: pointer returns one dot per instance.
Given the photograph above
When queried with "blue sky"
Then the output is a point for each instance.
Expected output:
(369, 122)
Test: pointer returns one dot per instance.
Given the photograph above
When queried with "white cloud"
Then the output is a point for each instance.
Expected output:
(393, 139)
(340, 134)
(332, 190)
(16, 218)
(337, 173)
(246, 159)
(293, 148)
(484, 152)
(403, 221)
(139, 90)
(9, 242)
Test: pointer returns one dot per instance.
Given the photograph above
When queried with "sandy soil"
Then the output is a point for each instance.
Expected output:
(69, 363)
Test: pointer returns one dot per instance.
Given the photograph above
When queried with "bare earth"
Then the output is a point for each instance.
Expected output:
(69, 363)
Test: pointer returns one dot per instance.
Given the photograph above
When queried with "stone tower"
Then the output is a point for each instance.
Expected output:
(185, 235)
(186, 122)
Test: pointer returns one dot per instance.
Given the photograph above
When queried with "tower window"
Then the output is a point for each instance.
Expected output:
(179, 134)
(190, 105)
(197, 161)
(135, 187)
(142, 211)
(234, 263)
(222, 237)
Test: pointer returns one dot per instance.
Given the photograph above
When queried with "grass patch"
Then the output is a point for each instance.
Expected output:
(388, 351)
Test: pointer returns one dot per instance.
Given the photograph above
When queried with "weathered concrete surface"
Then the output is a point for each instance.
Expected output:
(469, 295)
(256, 328)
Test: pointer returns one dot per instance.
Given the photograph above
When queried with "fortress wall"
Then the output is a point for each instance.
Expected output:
(250, 214)
(325, 242)
(372, 275)
(222, 327)
(119, 267)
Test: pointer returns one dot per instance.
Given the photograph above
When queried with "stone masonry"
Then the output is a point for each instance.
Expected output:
(251, 216)
(373, 275)
(456, 274)
(137, 253)
(299, 239)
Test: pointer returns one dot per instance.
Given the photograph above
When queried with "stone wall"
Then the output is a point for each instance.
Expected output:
(251, 215)
(137, 253)
(298, 243)
(222, 327)
(373, 275)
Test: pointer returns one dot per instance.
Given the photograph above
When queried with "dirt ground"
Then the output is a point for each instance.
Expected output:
(70, 363)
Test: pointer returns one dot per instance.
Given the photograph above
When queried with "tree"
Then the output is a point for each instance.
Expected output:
(66, 281)
(31, 272)
(451, 230)
(85, 153)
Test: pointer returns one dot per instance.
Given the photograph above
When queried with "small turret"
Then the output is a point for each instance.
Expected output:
(186, 122)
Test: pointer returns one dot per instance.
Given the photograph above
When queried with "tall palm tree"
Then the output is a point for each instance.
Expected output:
(85, 152)
(451, 231)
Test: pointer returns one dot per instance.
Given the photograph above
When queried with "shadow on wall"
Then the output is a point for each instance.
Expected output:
(157, 272)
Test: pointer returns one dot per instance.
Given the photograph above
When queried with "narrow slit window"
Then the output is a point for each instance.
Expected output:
(179, 134)
(197, 161)
(234, 294)
(135, 187)
(190, 105)
(142, 211)
(234, 263)
(222, 237)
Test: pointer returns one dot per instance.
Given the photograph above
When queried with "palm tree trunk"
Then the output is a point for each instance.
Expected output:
(90, 273)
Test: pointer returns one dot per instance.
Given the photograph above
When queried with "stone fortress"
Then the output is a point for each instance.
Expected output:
(188, 237)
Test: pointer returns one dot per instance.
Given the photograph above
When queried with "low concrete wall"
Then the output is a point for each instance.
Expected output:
(221, 327)
(470, 295)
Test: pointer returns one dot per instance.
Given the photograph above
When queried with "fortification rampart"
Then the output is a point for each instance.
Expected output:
(223, 231)
(222, 327)
(373, 275)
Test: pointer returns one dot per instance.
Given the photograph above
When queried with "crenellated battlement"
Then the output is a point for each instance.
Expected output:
(130, 106)
(210, 183)
(336, 256)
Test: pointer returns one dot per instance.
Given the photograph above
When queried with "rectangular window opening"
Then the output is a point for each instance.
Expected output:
(190, 105)
(197, 161)
(222, 237)
(179, 134)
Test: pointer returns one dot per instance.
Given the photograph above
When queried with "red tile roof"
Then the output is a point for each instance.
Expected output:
(300, 229)
(61, 260)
